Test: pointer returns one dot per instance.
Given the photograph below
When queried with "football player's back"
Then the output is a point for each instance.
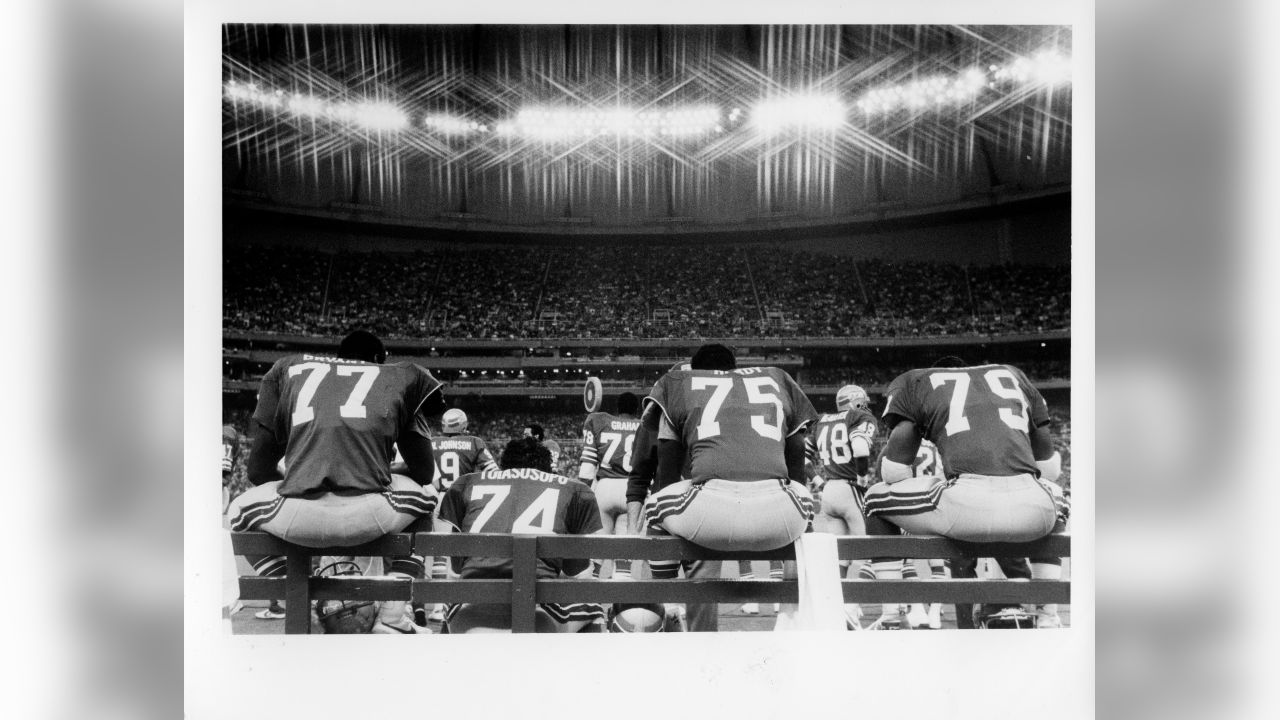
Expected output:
(733, 423)
(979, 417)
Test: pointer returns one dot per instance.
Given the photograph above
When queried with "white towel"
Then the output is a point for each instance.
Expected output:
(821, 604)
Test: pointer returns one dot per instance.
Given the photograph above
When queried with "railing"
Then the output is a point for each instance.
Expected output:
(523, 591)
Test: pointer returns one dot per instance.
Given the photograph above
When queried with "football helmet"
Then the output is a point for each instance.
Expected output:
(637, 618)
(345, 617)
(851, 396)
(1004, 617)
(453, 421)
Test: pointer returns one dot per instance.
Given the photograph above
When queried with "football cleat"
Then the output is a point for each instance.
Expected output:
(381, 628)
(675, 620)
(271, 612)
(1048, 621)
(935, 616)
(918, 617)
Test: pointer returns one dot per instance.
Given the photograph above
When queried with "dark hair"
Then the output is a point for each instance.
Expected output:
(362, 345)
(525, 452)
(628, 404)
(713, 356)
(952, 361)
(536, 430)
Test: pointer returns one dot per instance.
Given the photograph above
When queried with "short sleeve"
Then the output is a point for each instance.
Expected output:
(484, 458)
(901, 402)
(802, 412)
(453, 506)
(583, 514)
(1039, 409)
(664, 395)
(424, 398)
(862, 425)
(266, 413)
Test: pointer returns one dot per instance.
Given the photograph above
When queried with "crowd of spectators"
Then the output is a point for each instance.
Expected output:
(632, 291)
(880, 375)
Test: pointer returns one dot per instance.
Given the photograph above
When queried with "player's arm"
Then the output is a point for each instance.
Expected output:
(418, 457)
(796, 453)
(900, 452)
(643, 462)
(398, 465)
(860, 446)
(264, 456)
(1047, 458)
(414, 437)
(589, 465)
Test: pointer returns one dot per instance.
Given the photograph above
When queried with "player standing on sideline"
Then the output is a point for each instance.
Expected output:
(608, 442)
(524, 497)
(230, 453)
(839, 447)
(535, 431)
(991, 427)
(335, 420)
(456, 454)
(927, 464)
(743, 430)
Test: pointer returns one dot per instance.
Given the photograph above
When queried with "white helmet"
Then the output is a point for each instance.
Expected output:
(454, 421)
(852, 396)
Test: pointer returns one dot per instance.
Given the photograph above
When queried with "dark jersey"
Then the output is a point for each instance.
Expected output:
(338, 419)
(830, 441)
(458, 455)
(608, 442)
(979, 417)
(927, 462)
(519, 501)
(733, 423)
(230, 449)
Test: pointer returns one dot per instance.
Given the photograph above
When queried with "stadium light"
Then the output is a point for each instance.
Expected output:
(1045, 68)
(813, 111)
(372, 115)
(450, 125)
(553, 124)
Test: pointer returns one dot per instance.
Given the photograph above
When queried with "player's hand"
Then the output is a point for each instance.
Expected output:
(817, 482)
(865, 481)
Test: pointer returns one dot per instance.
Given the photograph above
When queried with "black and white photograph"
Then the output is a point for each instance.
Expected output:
(782, 311)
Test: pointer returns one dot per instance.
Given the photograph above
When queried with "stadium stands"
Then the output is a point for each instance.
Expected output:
(632, 292)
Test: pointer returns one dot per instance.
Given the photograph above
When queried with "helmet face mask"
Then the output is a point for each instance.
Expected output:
(345, 617)
(852, 396)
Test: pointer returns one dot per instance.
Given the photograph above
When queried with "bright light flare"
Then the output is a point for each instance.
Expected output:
(451, 125)
(818, 112)
(553, 124)
(1046, 68)
(378, 116)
